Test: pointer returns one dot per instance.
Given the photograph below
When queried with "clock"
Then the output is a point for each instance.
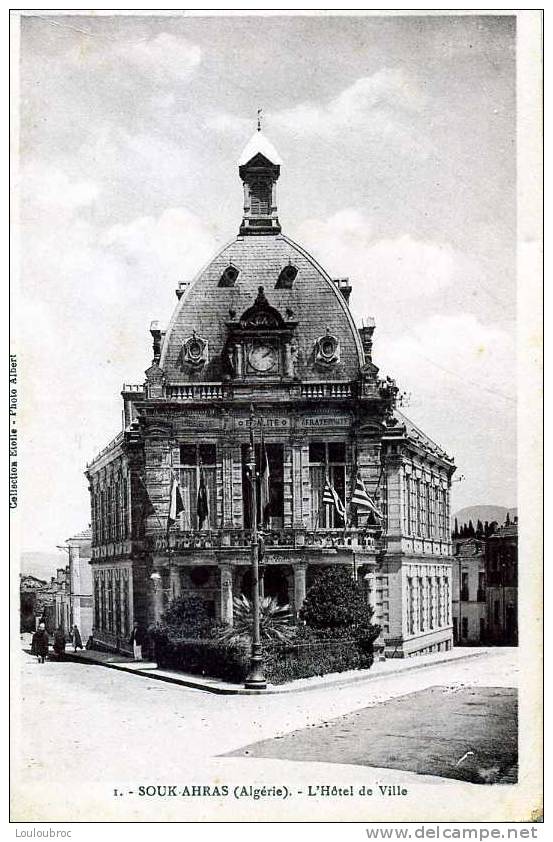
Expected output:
(262, 358)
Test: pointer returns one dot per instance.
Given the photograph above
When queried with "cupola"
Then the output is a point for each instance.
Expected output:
(259, 168)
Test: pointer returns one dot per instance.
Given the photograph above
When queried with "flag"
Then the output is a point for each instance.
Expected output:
(264, 491)
(363, 500)
(176, 505)
(330, 497)
(202, 506)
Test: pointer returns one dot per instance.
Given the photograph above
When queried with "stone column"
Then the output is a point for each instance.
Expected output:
(300, 571)
(226, 593)
(157, 586)
(174, 581)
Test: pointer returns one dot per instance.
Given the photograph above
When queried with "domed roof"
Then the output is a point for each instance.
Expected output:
(258, 144)
(312, 300)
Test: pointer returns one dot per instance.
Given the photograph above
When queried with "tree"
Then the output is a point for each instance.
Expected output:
(275, 622)
(508, 520)
(471, 529)
(456, 529)
(335, 606)
(479, 529)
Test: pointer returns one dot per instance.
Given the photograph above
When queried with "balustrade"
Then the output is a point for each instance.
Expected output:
(292, 539)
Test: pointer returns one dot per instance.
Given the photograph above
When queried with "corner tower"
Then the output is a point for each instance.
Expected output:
(259, 168)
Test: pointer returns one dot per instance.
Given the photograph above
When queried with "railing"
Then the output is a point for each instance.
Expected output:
(118, 438)
(195, 392)
(291, 539)
(132, 387)
(326, 390)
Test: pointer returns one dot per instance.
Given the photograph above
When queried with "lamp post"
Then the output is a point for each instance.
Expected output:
(256, 679)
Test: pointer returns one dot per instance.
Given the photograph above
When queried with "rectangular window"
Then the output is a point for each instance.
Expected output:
(195, 460)
(465, 624)
(410, 606)
(421, 604)
(275, 459)
(426, 510)
(481, 586)
(464, 586)
(326, 460)
(420, 524)
(430, 603)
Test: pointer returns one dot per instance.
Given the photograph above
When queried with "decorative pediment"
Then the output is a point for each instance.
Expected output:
(261, 315)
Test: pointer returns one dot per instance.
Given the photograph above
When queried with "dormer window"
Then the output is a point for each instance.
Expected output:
(229, 276)
(287, 277)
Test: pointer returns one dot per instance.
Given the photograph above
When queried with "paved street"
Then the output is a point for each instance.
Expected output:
(84, 730)
(467, 733)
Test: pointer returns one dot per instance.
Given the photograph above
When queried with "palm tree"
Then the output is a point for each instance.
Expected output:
(275, 622)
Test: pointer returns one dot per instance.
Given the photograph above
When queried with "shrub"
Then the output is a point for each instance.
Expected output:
(304, 658)
(201, 656)
(188, 616)
(335, 606)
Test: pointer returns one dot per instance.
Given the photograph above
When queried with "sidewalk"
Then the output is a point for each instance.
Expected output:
(380, 669)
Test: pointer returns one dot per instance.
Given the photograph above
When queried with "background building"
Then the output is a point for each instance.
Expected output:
(264, 325)
(469, 591)
(80, 578)
(502, 585)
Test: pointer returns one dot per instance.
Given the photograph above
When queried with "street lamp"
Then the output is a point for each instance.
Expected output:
(256, 679)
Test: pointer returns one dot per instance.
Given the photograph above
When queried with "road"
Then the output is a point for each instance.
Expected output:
(84, 731)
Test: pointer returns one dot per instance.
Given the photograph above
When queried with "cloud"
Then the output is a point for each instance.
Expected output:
(459, 376)
(392, 268)
(376, 103)
(165, 56)
(161, 58)
(88, 292)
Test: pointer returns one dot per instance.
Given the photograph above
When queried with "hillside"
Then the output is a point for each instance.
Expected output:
(42, 564)
(483, 513)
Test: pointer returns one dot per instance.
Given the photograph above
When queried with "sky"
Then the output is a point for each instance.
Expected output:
(397, 136)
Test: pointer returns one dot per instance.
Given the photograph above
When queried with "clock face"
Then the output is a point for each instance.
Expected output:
(262, 358)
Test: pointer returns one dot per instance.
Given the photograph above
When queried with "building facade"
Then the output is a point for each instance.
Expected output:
(263, 338)
(80, 582)
(502, 582)
(469, 591)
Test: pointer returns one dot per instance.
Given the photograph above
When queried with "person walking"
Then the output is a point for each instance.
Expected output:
(39, 645)
(137, 640)
(77, 640)
(59, 642)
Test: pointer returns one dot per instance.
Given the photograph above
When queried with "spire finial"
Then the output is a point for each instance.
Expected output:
(259, 113)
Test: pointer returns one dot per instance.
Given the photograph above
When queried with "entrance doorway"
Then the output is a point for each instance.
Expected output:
(273, 582)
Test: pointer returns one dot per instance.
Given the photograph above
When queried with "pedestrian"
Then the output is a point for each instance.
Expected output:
(137, 639)
(39, 645)
(59, 642)
(77, 641)
(90, 643)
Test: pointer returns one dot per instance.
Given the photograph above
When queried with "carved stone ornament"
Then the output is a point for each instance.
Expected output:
(327, 350)
(194, 351)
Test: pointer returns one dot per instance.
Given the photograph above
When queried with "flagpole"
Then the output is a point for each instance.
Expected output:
(256, 679)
